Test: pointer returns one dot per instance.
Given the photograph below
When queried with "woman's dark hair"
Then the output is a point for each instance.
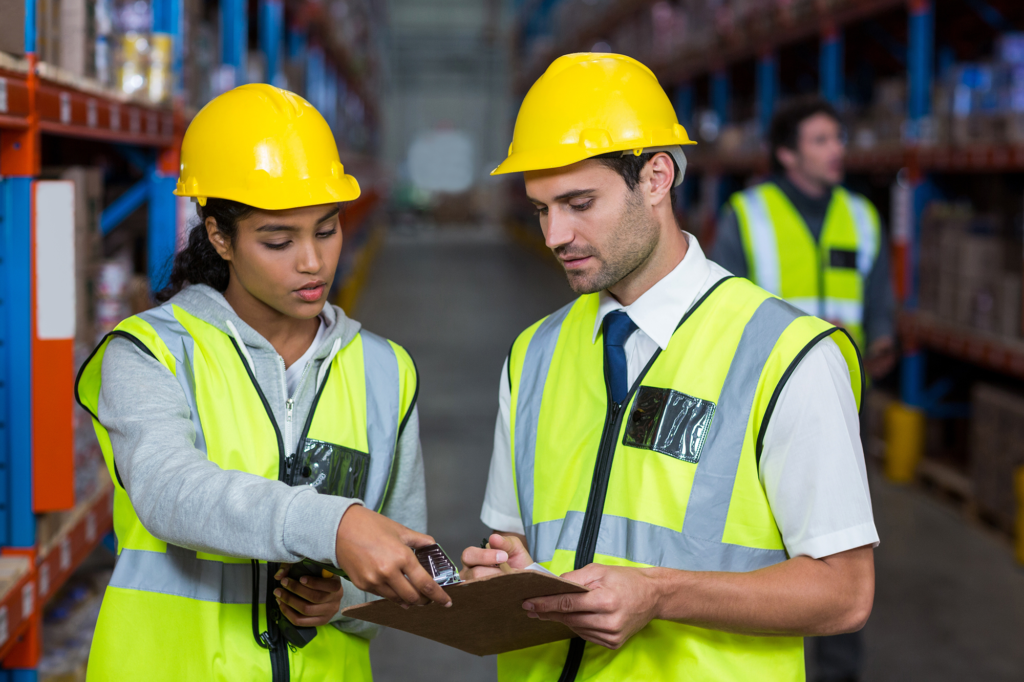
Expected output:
(199, 262)
(785, 129)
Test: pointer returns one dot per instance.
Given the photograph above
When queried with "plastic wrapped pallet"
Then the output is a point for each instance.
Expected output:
(997, 449)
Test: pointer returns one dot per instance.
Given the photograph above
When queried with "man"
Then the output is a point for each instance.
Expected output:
(803, 237)
(676, 439)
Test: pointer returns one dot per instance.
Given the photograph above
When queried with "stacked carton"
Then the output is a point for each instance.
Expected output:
(982, 103)
(997, 450)
(965, 275)
(12, 28)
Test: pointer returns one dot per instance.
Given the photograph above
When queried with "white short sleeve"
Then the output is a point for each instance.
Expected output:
(812, 464)
(501, 506)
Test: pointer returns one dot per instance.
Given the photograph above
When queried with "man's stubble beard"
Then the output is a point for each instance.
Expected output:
(633, 240)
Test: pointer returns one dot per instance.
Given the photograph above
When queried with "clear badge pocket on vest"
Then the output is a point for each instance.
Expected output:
(669, 422)
(842, 258)
(333, 469)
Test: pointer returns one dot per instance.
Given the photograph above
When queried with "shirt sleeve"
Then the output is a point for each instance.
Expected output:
(812, 465)
(727, 250)
(879, 298)
(501, 505)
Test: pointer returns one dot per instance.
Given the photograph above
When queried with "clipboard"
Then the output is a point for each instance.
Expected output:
(486, 616)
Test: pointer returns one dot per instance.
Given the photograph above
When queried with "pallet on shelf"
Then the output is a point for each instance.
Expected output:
(999, 353)
(17, 600)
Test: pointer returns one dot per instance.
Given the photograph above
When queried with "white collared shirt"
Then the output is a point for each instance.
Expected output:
(812, 465)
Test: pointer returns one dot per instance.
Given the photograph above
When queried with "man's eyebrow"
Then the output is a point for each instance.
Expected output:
(278, 227)
(572, 194)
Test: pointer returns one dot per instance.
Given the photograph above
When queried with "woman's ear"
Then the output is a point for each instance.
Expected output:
(220, 243)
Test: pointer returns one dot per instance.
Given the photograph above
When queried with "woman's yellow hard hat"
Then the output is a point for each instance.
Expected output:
(265, 147)
(588, 104)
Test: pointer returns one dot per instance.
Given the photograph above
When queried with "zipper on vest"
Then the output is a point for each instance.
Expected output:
(599, 487)
(279, 665)
(587, 545)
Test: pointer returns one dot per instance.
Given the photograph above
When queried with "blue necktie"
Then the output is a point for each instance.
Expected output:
(617, 328)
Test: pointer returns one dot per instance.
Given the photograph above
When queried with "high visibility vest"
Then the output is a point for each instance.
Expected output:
(669, 478)
(824, 278)
(175, 614)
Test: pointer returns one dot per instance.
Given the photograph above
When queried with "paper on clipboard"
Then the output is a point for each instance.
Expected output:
(486, 616)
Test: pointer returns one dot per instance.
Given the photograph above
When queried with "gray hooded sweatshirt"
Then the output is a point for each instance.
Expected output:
(184, 499)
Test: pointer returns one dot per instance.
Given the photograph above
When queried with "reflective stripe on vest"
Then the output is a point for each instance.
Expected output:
(701, 547)
(766, 253)
(181, 345)
(180, 573)
(382, 414)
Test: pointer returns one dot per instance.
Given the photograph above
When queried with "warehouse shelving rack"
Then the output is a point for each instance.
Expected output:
(825, 19)
(36, 371)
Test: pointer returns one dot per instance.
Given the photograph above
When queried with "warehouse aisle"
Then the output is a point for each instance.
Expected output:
(455, 300)
(949, 601)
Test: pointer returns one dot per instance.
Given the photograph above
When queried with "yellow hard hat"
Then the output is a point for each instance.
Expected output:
(588, 104)
(265, 147)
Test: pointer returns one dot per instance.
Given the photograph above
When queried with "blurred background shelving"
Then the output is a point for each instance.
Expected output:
(95, 96)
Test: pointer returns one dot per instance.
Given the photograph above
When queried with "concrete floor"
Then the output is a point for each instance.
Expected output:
(949, 603)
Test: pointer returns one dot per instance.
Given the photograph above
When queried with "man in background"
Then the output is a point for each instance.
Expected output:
(804, 237)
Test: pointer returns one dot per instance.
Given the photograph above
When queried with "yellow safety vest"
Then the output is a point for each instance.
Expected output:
(826, 278)
(175, 614)
(668, 479)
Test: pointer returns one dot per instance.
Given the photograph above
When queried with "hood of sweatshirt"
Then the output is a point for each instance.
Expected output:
(266, 364)
(209, 305)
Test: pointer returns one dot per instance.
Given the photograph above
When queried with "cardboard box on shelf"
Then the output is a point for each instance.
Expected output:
(48, 526)
(48, 38)
(875, 404)
(12, 28)
(88, 246)
(997, 449)
(77, 37)
(1008, 315)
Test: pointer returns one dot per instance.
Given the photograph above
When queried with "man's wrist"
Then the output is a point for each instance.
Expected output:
(665, 585)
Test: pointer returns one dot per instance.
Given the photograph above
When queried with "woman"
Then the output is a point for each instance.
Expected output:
(224, 411)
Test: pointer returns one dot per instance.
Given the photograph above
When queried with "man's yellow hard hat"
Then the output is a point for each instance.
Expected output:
(265, 147)
(588, 104)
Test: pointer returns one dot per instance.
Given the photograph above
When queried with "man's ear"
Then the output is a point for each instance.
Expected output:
(220, 243)
(787, 157)
(659, 175)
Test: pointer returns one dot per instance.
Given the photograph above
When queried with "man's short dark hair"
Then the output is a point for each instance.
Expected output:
(785, 130)
(630, 166)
